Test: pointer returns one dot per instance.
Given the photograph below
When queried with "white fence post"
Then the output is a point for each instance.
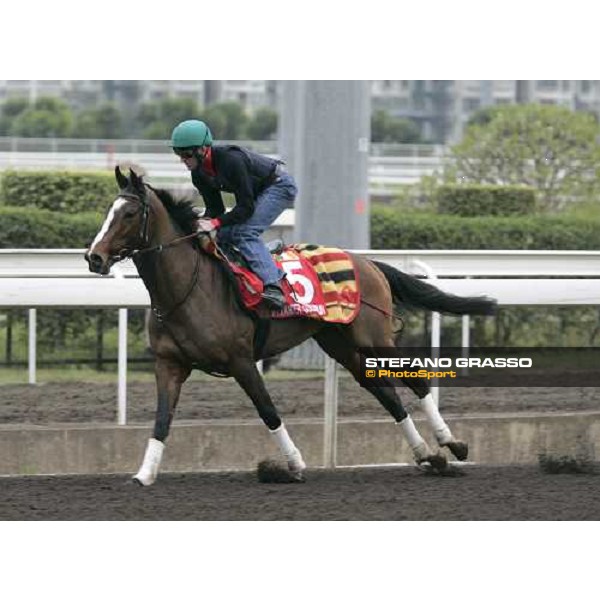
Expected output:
(331, 402)
(466, 335)
(436, 330)
(32, 350)
(122, 394)
(122, 362)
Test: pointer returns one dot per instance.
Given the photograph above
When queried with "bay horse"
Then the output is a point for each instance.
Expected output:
(197, 321)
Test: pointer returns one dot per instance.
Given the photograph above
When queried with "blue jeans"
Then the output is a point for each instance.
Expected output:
(246, 236)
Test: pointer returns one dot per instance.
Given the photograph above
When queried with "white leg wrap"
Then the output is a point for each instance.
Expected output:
(288, 449)
(414, 439)
(152, 459)
(441, 430)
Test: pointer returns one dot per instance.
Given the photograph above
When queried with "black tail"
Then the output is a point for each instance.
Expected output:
(416, 293)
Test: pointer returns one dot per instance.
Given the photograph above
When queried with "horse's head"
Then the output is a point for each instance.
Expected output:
(125, 228)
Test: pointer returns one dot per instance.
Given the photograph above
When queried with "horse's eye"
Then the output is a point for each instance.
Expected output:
(130, 214)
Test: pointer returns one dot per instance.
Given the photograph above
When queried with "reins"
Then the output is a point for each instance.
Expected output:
(161, 247)
(143, 236)
(162, 316)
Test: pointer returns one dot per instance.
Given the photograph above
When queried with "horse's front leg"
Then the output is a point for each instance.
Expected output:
(251, 381)
(170, 376)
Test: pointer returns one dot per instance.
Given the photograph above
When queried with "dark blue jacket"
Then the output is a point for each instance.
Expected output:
(240, 172)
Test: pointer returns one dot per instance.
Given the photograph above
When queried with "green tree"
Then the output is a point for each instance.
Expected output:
(392, 130)
(484, 115)
(101, 122)
(263, 125)
(47, 117)
(9, 111)
(227, 120)
(550, 148)
(157, 119)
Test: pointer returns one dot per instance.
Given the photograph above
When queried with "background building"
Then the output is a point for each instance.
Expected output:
(441, 108)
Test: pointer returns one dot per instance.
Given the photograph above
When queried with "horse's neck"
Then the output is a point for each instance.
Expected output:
(169, 273)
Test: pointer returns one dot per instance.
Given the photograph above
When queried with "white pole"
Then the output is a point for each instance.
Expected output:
(32, 345)
(122, 394)
(331, 402)
(436, 329)
(466, 338)
(436, 334)
(466, 333)
(122, 363)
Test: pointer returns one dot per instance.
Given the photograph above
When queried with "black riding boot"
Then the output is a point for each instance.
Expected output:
(273, 296)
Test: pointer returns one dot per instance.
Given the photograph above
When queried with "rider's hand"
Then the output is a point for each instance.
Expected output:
(207, 226)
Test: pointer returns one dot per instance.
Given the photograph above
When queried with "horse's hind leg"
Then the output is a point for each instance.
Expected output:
(440, 428)
(251, 381)
(170, 376)
(388, 397)
(337, 346)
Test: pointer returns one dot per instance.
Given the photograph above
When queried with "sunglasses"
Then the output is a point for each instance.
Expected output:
(185, 152)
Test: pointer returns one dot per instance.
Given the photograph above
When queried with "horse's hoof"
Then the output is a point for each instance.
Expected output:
(297, 477)
(140, 483)
(438, 462)
(270, 471)
(459, 449)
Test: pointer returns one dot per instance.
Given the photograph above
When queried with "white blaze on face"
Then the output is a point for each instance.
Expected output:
(118, 203)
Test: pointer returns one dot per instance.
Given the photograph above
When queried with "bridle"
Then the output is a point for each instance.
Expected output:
(143, 239)
(126, 253)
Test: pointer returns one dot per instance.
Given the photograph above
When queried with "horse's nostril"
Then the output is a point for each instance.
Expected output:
(95, 262)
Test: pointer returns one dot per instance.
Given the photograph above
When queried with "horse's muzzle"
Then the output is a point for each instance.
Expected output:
(97, 264)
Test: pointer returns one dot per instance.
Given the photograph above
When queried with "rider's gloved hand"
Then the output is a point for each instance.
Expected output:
(207, 226)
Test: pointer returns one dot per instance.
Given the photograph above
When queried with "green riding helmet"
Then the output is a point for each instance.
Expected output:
(191, 133)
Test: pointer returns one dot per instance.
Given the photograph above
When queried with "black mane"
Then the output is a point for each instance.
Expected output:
(183, 212)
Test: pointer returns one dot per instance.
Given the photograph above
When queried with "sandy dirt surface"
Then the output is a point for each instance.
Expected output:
(479, 493)
(402, 493)
(214, 399)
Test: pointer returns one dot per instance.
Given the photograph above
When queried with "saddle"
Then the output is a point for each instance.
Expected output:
(320, 282)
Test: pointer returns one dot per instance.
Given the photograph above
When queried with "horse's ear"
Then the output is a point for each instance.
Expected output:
(136, 180)
(122, 181)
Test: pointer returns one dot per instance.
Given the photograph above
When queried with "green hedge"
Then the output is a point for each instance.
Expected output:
(470, 200)
(392, 229)
(62, 191)
(34, 228)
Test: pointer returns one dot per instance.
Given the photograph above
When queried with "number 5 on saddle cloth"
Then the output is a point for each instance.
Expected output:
(320, 282)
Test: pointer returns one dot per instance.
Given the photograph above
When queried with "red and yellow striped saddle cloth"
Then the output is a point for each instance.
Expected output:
(320, 283)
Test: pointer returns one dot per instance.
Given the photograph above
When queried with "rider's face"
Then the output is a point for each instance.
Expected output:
(190, 158)
(190, 162)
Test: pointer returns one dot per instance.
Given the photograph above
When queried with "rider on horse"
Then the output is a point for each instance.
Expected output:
(262, 190)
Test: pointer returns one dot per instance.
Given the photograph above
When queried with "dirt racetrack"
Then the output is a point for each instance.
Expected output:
(85, 402)
(481, 493)
(385, 493)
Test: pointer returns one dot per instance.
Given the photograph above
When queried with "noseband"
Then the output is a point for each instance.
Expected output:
(143, 234)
